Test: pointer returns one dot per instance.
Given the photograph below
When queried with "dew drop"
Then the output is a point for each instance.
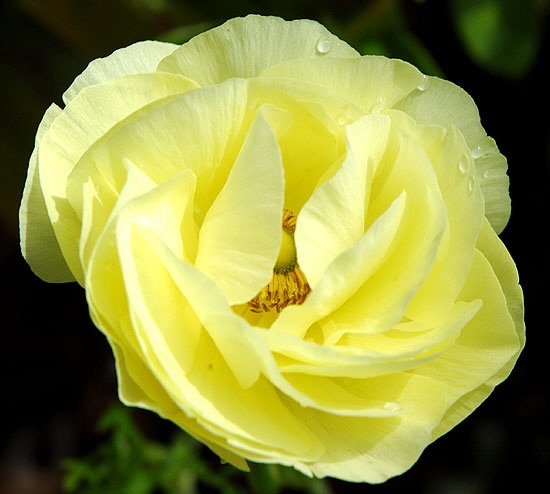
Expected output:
(392, 406)
(424, 84)
(378, 106)
(478, 152)
(486, 174)
(323, 46)
(471, 183)
(464, 165)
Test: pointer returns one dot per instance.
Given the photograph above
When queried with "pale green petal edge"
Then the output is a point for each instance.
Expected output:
(245, 46)
(505, 270)
(40, 249)
(443, 103)
(139, 58)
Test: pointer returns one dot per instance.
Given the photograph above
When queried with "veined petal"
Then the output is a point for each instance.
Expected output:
(200, 130)
(226, 379)
(443, 103)
(241, 233)
(346, 273)
(243, 47)
(490, 343)
(91, 114)
(463, 199)
(333, 219)
(151, 395)
(39, 244)
(362, 449)
(139, 58)
(372, 83)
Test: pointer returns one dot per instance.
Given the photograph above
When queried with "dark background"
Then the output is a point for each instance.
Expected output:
(57, 374)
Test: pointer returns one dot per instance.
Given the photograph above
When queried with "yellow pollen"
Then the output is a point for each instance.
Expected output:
(289, 285)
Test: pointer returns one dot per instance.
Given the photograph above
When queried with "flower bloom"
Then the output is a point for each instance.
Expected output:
(291, 248)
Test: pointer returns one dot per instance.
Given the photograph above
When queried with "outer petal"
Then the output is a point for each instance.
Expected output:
(489, 345)
(91, 114)
(139, 58)
(372, 450)
(38, 241)
(443, 103)
(226, 379)
(491, 342)
(243, 47)
(241, 233)
(371, 83)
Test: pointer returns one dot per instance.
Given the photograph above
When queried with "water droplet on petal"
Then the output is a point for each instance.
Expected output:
(344, 116)
(423, 84)
(486, 174)
(392, 406)
(478, 152)
(464, 165)
(379, 105)
(323, 46)
(471, 183)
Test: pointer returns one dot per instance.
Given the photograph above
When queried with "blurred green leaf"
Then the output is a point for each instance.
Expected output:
(380, 28)
(503, 36)
(129, 463)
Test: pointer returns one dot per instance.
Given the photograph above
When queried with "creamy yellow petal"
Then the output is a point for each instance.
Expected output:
(243, 47)
(346, 273)
(201, 130)
(443, 103)
(463, 200)
(372, 83)
(240, 236)
(39, 244)
(131, 370)
(372, 450)
(306, 120)
(99, 204)
(484, 353)
(139, 58)
(367, 355)
(225, 379)
(361, 291)
(91, 114)
(333, 219)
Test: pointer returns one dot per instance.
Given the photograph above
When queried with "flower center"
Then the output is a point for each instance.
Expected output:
(289, 285)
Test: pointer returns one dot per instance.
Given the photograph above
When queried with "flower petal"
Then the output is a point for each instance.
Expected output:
(139, 58)
(361, 449)
(91, 114)
(372, 83)
(443, 103)
(39, 244)
(243, 47)
(241, 233)
(490, 343)
(333, 219)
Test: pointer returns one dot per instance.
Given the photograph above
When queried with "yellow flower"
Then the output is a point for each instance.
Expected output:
(291, 248)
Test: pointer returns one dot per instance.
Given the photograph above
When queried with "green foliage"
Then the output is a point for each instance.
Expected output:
(503, 36)
(129, 463)
(381, 28)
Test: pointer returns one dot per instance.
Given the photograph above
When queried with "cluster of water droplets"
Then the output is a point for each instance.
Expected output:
(481, 151)
(464, 166)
